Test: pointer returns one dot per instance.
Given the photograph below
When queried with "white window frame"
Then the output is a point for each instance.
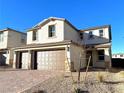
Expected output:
(35, 35)
(23, 38)
(51, 33)
(90, 35)
(1, 36)
(101, 55)
(101, 34)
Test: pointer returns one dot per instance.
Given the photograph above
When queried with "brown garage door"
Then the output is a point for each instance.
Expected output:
(51, 60)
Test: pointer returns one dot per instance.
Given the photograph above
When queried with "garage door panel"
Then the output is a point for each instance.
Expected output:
(51, 60)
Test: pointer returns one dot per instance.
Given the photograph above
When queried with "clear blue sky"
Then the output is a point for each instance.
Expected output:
(23, 14)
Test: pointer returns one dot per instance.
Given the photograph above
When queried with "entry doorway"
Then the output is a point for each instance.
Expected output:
(18, 60)
(3, 56)
(34, 60)
(89, 53)
(22, 60)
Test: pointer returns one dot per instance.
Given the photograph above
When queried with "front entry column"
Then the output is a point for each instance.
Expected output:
(68, 64)
(107, 58)
(29, 59)
(94, 57)
(7, 57)
(16, 60)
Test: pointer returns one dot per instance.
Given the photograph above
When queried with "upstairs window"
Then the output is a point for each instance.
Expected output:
(23, 38)
(1, 36)
(90, 34)
(35, 35)
(101, 55)
(101, 33)
(51, 30)
(121, 55)
(81, 35)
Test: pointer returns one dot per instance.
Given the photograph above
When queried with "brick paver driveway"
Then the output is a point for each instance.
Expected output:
(13, 81)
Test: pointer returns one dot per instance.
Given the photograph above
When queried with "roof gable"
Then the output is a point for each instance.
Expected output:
(45, 21)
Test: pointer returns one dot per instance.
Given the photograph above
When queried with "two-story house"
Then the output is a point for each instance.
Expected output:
(52, 44)
(10, 38)
(55, 44)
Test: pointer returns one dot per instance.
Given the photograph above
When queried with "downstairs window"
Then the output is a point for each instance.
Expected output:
(101, 56)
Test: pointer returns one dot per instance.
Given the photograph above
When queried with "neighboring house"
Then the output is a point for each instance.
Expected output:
(9, 39)
(118, 55)
(55, 44)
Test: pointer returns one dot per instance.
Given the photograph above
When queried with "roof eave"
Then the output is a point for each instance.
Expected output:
(49, 19)
(97, 27)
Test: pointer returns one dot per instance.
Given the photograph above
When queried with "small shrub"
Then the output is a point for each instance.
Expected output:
(80, 91)
(100, 77)
(121, 73)
(40, 91)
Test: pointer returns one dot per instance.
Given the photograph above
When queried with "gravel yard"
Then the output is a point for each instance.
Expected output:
(111, 83)
(34, 81)
(15, 81)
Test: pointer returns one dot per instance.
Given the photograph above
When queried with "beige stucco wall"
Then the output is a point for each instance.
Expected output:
(71, 34)
(97, 63)
(3, 44)
(14, 39)
(63, 32)
(73, 55)
(9, 59)
(14, 59)
(43, 33)
(96, 39)
(75, 52)
(36, 48)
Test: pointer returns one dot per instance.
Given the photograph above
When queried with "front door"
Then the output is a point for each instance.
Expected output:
(89, 53)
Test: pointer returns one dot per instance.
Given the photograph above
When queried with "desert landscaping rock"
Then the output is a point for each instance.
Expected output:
(34, 81)
(19, 80)
(65, 84)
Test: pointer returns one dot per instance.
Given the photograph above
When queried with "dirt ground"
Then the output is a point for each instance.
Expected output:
(35, 81)
(16, 81)
(95, 82)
